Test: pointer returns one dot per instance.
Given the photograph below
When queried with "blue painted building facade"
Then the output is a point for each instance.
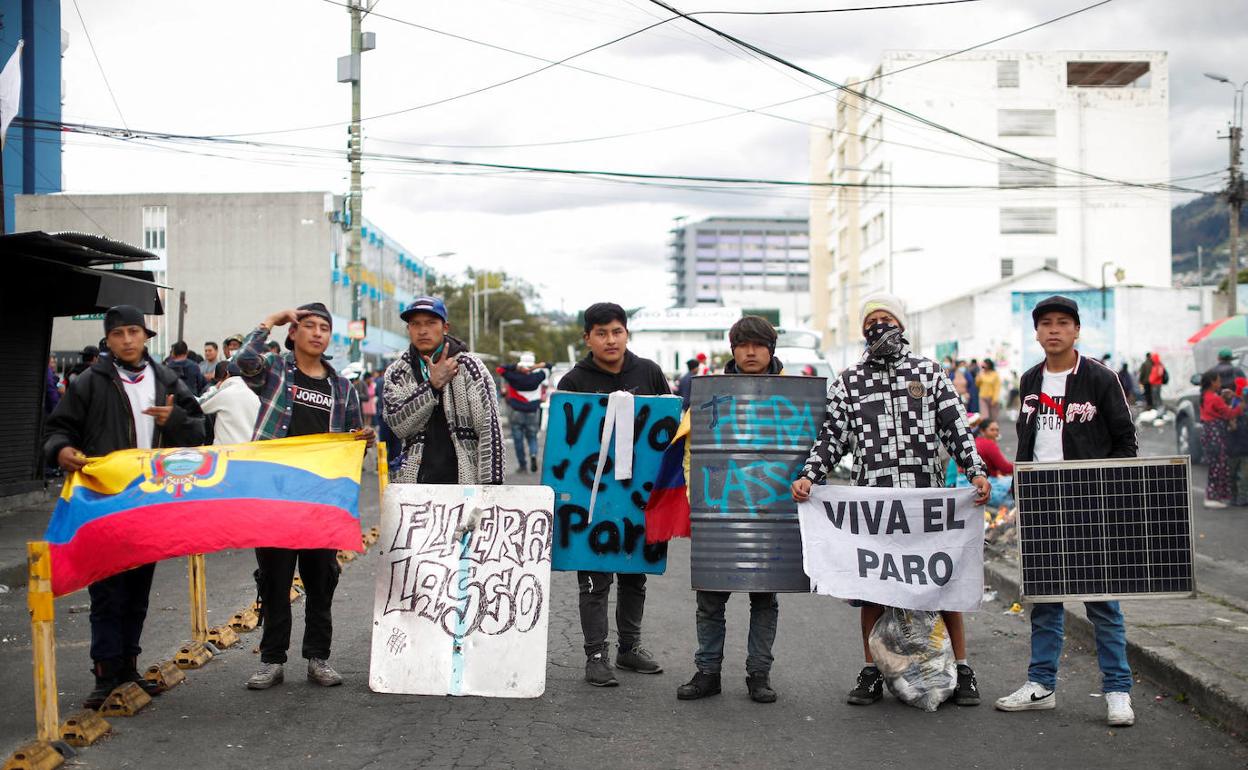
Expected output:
(32, 156)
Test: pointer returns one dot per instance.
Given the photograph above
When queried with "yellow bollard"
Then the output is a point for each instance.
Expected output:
(199, 597)
(383, 471)
(41, 753)
(43, 641)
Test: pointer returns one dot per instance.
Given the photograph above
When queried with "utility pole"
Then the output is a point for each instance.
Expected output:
(349, 72)
(1234, 189)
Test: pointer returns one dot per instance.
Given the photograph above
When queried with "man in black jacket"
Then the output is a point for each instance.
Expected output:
(1073, 408)
(124, 401)
(610, 367)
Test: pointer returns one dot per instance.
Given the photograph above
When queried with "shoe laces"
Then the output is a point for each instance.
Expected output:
(640, 651)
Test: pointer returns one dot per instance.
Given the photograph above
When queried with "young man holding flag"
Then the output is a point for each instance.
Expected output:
(894, 410)
(753, 342)
(124, 401)
(300, 395)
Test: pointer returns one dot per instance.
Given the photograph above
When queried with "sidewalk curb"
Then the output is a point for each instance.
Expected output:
(1164, 664)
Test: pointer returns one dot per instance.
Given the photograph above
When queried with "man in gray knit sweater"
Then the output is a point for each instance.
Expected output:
(440, 400)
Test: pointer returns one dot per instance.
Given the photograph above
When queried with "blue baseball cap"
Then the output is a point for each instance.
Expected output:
(433, 305)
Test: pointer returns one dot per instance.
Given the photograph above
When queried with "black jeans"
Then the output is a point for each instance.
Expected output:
(118, 609)
(319, 569)
(630, 605)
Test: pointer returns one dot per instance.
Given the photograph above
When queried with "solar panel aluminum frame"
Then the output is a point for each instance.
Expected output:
(1118, 462)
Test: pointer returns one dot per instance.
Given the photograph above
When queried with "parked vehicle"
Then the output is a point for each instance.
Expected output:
(1187, 427)
(799, 348)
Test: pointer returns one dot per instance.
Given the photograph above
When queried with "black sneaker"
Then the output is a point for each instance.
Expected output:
(701, 686)
(637, 659)
(967, 693)
(759, 684)
(868, 689)
(533, 464)
(598, 671)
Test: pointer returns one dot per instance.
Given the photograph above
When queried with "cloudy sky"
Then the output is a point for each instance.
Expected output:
(247, 68)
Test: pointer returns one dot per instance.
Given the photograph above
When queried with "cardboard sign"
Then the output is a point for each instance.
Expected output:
(462, 612)
(918, 549)
(614, 538)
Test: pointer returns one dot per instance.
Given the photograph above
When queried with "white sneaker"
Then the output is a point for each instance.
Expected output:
(1120, 713)
(1215, 504)
(1030, 697)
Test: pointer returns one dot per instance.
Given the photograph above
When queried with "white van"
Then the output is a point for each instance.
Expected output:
(798, 348)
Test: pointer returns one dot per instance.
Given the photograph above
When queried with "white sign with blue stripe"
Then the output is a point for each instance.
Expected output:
(463, 590)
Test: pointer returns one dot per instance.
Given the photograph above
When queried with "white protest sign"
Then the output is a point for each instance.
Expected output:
(918, 549)
(460, 610)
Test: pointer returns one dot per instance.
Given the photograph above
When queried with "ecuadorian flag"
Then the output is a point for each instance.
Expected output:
(667, 511)
(138, 506)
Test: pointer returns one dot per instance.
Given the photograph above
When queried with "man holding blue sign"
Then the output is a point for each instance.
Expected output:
(608, 368)
(895, 409)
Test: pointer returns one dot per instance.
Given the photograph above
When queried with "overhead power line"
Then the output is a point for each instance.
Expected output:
(90, 44)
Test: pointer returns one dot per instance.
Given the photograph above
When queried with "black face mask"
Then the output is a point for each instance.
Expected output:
(884, 340)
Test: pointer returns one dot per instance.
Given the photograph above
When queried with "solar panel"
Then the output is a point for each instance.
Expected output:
(1096, 530)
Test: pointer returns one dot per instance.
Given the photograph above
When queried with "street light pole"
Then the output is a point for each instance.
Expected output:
(1234, 189)
(502, 350)
(349, 72)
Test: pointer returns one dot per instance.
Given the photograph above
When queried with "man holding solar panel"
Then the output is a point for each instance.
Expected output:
(1073, 408)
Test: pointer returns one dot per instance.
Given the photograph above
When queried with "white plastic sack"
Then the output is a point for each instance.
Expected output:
(912, 650)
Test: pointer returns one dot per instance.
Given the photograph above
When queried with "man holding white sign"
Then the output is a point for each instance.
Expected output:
(894, 410)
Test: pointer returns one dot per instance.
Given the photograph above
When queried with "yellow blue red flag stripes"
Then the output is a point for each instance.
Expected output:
(138, 506)
(667, 510)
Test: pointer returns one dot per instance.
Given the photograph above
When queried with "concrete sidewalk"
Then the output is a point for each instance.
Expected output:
(22, 518)
(1194, 648)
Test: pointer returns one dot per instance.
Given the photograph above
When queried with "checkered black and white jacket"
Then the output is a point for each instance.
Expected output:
(893, 415)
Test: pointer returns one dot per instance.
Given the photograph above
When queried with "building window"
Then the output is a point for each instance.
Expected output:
(1029, 221)
(1007, 267)
(1007, 73)
(1107, 74)
(1017, 172)
(1026, 122)
(155, 221)
(873, 231)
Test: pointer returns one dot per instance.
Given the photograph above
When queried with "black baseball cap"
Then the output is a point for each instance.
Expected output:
(125, 315)
(317, 309)
(1055, 304)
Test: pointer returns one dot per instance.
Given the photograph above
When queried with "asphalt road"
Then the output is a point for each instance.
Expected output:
(213, 720)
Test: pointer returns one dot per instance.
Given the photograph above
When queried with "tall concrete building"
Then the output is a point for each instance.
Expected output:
(239, 257)
(932, 216)
(760, 264)
(32, 154)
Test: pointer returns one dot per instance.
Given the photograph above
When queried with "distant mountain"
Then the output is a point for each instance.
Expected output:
(1202, 222)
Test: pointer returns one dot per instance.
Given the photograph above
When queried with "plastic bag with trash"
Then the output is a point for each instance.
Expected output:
(912, 650)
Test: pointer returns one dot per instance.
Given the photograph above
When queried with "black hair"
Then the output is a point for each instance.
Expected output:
(752, 328)
(603, 313)
(692, 364)
(222, 370)
(179, 348)
(988, 363)
(90, 353)
(1206, 380)
(214, 345)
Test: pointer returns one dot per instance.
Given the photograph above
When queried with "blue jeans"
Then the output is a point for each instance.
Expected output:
(524, 425)
(764, 615)
(1047, 625)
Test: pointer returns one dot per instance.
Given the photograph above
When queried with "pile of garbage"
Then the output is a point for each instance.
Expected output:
(913, 652)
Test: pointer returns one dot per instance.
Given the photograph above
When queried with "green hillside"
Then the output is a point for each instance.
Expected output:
(1202, 222)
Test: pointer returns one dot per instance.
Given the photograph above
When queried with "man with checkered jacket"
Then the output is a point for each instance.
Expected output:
(893, 410)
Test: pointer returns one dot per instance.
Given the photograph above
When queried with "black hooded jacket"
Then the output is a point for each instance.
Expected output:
(775, 366)
(639, 376)
(1096, 422)
(94, 414)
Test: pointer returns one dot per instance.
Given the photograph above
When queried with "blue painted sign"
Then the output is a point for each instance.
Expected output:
(615, 539)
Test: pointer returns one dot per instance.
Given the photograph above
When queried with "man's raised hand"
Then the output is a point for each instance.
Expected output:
(441, 371)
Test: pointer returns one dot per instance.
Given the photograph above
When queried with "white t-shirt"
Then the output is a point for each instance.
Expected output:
(140, 388)
(236, 407)
(1051, 416)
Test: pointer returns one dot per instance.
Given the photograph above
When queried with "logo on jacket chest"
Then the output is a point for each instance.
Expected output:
(915, 389)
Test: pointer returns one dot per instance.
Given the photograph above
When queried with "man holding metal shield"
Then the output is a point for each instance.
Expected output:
(1073, 408)
(895, 409)
(753, 342)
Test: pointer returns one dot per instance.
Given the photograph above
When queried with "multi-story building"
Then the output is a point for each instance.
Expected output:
(932, 216)
(238, 257)
(760, 264)
(32, 154)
